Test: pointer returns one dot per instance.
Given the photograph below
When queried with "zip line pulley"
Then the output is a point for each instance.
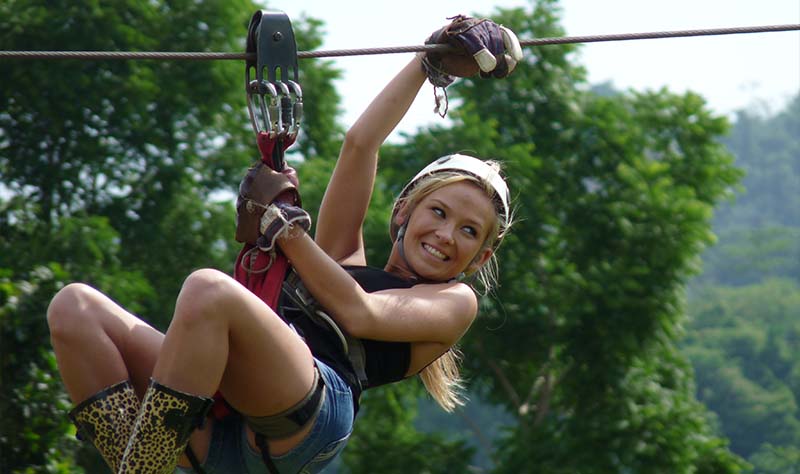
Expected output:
(274, 95)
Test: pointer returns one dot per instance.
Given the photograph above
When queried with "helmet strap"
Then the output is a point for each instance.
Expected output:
(401, 232)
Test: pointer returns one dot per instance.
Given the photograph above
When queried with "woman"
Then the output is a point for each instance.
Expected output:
(299, 393)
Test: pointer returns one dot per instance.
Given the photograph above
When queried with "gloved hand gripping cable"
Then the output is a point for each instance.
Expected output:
(482, 47)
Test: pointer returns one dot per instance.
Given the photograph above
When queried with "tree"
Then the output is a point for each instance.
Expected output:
(110, 171)
(133, 141)
(742, 343)
(776, 460)
(759, 231)
(386, 440)
(614, 197)
(32, 403)
(743, 335)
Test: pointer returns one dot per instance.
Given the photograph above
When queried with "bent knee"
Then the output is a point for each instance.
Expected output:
(206, 286)
(205, 292)
(71, 310)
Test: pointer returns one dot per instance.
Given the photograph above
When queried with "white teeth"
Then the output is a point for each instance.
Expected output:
(434, 252)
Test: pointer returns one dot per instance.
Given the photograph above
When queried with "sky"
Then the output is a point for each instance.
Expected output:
(732, 72)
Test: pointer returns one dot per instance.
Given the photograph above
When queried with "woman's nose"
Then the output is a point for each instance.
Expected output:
(445, 234)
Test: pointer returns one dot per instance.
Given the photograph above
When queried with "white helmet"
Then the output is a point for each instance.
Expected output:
(468, 165)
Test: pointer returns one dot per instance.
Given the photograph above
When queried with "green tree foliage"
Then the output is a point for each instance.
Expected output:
(133, 141)
(743, 343)
(759, 232)
(387, 442)
(777, 460)
(110, 171)
(614, 197)
(33, 404)
(743, 337)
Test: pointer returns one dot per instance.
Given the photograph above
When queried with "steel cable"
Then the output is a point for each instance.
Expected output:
(210, 56)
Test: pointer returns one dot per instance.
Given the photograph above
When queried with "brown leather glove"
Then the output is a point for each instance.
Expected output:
(481, 46)
(260, 187)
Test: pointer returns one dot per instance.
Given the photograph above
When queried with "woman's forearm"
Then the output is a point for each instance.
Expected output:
(424, 313)
(330, 284)
(389, 107)
(349, 191)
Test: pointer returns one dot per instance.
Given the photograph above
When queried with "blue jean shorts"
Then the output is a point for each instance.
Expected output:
(230, 453)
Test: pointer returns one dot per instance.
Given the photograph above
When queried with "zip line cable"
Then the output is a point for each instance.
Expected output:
(210, 56)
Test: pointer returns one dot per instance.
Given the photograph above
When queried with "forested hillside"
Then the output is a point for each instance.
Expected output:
(744, 335)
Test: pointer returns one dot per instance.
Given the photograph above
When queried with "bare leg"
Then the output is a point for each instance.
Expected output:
(97, 343)
(99, 348)
(224, 337)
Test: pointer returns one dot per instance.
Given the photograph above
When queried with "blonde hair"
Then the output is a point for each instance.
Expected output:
(442, 378)
(486, 275)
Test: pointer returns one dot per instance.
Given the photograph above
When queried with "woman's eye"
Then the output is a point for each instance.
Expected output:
(470, 230)
(438, 211)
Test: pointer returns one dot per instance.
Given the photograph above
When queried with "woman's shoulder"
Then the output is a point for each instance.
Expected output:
(375, 279)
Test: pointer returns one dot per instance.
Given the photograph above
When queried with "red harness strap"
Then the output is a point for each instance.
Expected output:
(261, 273)
(258, 271)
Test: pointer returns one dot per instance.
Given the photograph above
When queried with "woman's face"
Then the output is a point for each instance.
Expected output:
(446, 231)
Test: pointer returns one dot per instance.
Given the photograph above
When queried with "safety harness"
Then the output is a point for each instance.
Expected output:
(296, 292)
(275, 104)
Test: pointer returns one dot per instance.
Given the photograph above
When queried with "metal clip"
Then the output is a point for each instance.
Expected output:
(261, 113)
(271, 39)
(297, 113)
(285, 116)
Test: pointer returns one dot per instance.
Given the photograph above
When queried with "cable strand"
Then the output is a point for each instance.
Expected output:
(210, 56)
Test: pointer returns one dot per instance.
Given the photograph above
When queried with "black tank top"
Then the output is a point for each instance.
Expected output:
(385, 362)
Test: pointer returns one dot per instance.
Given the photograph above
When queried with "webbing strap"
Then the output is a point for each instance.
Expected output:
(293, 419)
(193, 460)
(358, 357)
(296, 291)
(261, 442)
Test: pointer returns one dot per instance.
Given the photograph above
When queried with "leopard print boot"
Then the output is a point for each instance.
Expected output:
(162, 429)
(106, 420)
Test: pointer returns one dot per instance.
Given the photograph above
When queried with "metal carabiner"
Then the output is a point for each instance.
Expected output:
(297, 112)
(255, 104)
(285, 116)
(272, 107)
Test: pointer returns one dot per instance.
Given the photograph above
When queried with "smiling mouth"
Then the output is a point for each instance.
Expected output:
(435, 252)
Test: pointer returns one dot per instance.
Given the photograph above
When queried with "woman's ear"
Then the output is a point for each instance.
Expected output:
(483, 256)
(401, 216)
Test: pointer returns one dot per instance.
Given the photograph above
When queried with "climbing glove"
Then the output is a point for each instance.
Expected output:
(481, 46)
(280, 219)
(260, 187)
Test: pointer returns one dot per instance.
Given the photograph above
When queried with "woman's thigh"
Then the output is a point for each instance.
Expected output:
(262, 354)
(90, 329)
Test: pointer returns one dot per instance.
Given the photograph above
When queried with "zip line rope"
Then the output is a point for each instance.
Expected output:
(210, 56)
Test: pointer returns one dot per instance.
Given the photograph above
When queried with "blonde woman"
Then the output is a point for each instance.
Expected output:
(142, 396)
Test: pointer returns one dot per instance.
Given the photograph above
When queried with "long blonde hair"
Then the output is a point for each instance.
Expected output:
(442, 378)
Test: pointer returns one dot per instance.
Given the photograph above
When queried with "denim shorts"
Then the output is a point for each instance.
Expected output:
(230, 453)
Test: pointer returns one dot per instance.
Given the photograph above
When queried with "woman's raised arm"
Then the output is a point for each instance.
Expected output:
(341, 215)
